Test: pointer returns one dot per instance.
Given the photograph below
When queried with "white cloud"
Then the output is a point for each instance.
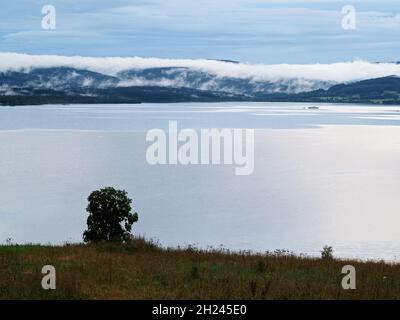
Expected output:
(337, 72)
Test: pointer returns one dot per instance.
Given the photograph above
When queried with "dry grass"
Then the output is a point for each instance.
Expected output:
(142, 270)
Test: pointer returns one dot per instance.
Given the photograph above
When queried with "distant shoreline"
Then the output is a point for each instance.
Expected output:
(380, 91)
(29, 101)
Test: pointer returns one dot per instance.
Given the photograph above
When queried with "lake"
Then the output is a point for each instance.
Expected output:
(327, 176)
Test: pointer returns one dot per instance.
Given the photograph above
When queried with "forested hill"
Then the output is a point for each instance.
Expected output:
(64, 85)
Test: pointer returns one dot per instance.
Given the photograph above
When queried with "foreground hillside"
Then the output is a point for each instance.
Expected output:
(142, 270)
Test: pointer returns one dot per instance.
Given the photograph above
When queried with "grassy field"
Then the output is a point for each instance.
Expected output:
(142, 270)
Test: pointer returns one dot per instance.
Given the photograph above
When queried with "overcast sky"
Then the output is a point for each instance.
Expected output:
(257, 31)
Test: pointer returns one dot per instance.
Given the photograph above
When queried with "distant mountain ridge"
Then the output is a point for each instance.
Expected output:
(65, 78)
(180, 84)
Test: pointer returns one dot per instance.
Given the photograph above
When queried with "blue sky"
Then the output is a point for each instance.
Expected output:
(246, 30)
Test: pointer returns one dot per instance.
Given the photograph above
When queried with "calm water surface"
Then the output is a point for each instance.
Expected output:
(327, 176)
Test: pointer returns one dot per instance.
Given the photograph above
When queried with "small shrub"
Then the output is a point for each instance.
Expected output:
(327, 253)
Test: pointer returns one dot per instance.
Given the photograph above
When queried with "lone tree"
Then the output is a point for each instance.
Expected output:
(110, 217)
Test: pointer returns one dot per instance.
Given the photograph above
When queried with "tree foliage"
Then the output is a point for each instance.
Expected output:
(110, 217)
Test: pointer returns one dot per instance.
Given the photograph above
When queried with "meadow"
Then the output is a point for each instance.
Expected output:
(144, 270)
